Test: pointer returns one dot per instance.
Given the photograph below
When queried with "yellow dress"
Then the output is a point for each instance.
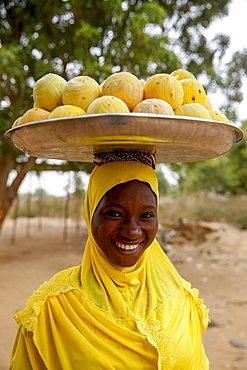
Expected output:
(99, 316)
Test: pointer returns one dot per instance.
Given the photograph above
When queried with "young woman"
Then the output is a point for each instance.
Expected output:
(125, 306)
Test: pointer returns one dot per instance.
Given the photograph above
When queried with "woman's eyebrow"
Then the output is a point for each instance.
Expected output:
(112, 204)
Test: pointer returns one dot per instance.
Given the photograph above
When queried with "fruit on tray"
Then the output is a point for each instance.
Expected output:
(81, 91)
(218, 116)
(164, 86)
(193, 92)
(108, 104)
(154, 106)
(125, 86)
(66, 111)
(208, 103)
(193, 110)
(32, 115)
(47, 91)
(178, 93)
(182, 74)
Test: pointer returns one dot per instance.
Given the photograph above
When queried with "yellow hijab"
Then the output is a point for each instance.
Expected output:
(99, 316)
(122, 291)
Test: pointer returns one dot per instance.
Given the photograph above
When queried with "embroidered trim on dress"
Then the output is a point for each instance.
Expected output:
(29, 316)
(159, 340)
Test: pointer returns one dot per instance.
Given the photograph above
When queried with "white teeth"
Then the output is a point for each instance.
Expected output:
(127, 247)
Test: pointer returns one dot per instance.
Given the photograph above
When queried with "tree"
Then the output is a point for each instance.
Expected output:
(225, 174)
(70, 38)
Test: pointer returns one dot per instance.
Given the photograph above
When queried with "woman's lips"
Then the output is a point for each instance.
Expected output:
(127, 247)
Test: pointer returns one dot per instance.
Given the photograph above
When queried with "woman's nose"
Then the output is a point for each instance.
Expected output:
(131, 228)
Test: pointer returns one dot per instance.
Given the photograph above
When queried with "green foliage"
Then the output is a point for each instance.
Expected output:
(225, 174)
(232, 82)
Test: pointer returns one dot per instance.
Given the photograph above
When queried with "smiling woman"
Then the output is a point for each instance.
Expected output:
(125, 306)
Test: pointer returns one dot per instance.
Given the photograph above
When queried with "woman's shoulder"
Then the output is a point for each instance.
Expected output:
(60, 283)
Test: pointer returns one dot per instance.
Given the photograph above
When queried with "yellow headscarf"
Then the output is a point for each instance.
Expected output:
(119, 290)
(99, 316)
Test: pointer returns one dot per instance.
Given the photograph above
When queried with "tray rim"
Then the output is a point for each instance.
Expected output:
(239, 131)
(234, 132)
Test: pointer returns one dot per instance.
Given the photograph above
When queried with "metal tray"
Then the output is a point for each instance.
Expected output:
(173, 138)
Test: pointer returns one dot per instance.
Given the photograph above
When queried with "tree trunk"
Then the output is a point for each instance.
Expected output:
(8, 193)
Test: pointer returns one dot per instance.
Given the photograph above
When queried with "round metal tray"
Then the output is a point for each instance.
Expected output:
(173, 138)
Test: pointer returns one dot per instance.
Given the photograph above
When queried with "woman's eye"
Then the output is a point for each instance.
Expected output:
(113, 213)
(147, 215)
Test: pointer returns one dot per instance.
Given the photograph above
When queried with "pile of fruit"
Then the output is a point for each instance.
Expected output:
(178, 93)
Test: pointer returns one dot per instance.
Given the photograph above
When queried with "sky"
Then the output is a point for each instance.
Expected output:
(234, 25)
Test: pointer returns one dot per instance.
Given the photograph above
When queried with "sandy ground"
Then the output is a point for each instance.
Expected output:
(212, 256)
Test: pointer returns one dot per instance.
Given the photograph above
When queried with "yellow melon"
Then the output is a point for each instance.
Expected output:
(81, 91)
(166, 87)
(47, 91)
(67, 111)
(218, 116)
(193, 110)
(17, 122)
(108, 104)
(155, 106)
(208, 103)
(34, 114)
(125, 86)
(193, 92)
(182, 74)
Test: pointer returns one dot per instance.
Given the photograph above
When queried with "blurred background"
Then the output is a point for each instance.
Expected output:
(41, 200)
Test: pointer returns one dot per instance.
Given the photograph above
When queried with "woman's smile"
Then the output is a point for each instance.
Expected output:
(127, 247)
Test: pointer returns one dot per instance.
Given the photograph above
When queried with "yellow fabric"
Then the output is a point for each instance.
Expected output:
(97, 316)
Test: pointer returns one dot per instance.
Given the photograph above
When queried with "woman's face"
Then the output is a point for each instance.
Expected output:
(125, 222)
